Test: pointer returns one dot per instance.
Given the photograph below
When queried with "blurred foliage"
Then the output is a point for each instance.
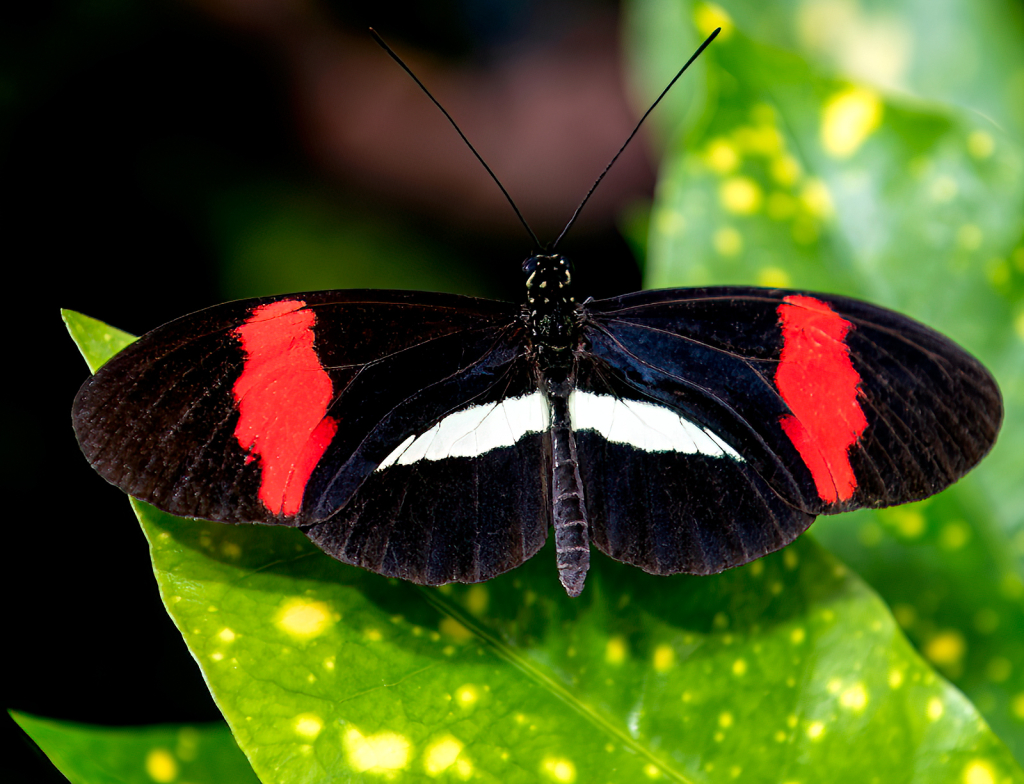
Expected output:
(875, 151)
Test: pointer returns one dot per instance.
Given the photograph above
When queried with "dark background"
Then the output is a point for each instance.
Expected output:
(142, 142)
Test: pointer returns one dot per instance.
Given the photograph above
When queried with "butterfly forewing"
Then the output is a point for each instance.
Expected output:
(835, 404)
(225, 414)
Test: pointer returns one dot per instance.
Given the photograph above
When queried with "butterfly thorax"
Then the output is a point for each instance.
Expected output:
(551, 310)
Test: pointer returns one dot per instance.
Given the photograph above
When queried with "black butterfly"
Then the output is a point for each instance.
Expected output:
(437, 438)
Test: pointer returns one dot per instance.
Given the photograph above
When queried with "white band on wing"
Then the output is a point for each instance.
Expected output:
(475, 430)
(643, 425)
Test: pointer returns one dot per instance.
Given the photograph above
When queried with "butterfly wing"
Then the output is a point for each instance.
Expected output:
(791, 405)
(230, 413)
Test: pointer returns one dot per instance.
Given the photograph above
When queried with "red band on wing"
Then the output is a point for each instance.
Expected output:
(282, 398)
(819, 384)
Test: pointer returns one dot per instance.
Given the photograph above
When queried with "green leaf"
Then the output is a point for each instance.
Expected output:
(97, 341)
(788, 669)
(800, 173)
(89, 754)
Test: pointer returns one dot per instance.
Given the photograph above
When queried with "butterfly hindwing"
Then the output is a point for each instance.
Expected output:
(462, 500)
(668, 494)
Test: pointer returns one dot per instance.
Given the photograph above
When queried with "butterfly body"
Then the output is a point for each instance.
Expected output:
(439, 438)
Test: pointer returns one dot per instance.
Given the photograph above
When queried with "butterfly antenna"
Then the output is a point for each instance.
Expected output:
(458, 130)
(611, 163)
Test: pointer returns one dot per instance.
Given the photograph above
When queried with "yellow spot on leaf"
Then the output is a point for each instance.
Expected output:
(708, 16)
(373, 635)
(615, 651)
(441, 755)
(664, 658)
(727, 241)
(304, 619)
(895, 678)
(329, 663)
(762, 140)
(773, 278)
(943, 189)
(739, 667)
(979, 772)
(226, 635)
(230, 550)
(308, 725)
(670, 222)
(935, 709)
(780, 736)
(833, 686)
(855, 698)
(467, 695)
(849, 118)
(946, 648)
(756, 568)
(452, 628)
(217, 656)
(652, 771)
(1017, 705)
(816, 199)
(954, 535)
(477, 599)
(161, 766)
(559, 769)
(721, 156)
(791, 720)
(385, 751)
(798, 635)
(815, 730)
(980, 144)
(790, 558)
(740, 195)
(725, 720)
(909, 522)
(786, 170)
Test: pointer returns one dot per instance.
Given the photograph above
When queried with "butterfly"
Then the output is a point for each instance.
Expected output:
(439, 438)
